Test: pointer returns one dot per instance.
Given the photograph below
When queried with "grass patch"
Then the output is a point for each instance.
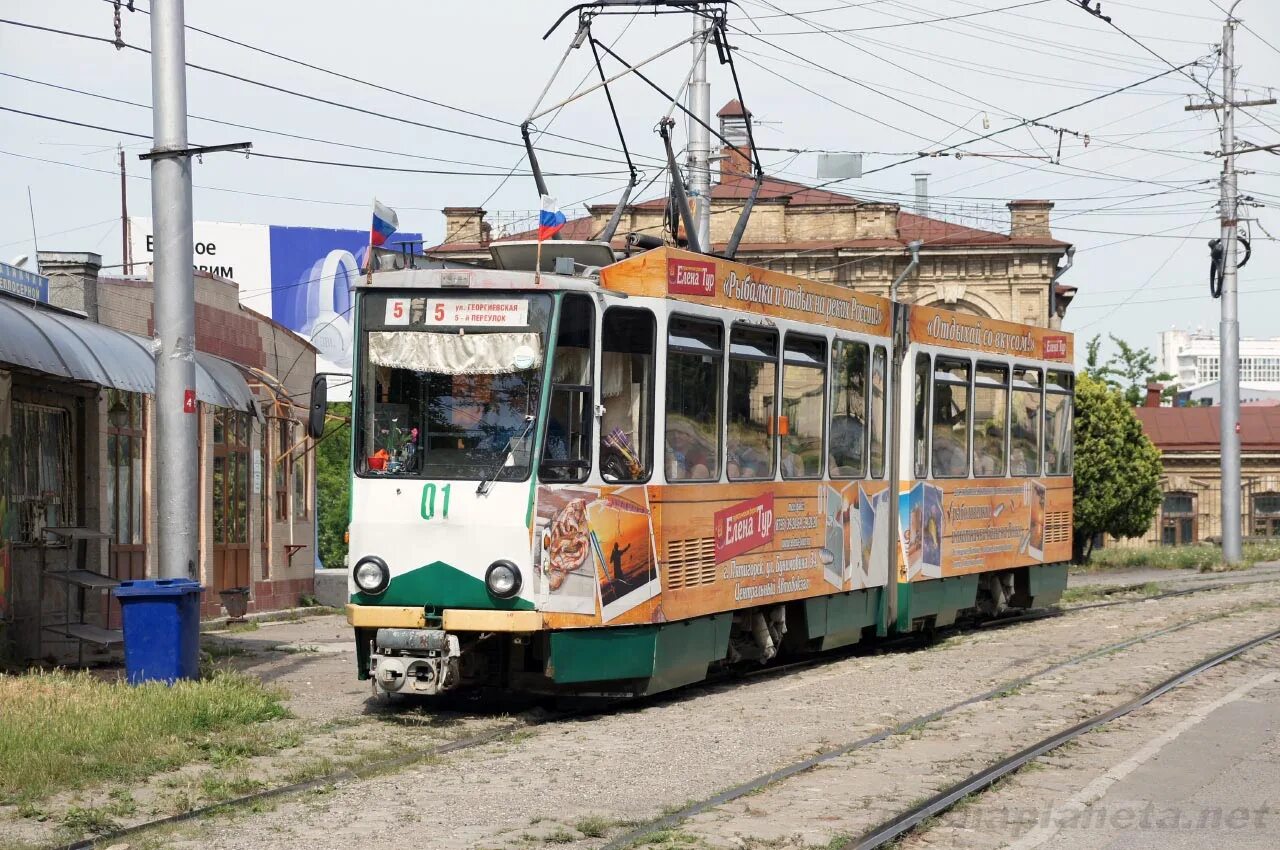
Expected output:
(68, 730)
(594, 826)
(216, 787)
(247, 626)
(1197, 557)
(1093, 593)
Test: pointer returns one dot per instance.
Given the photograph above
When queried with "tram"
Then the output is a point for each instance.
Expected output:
(616, 479)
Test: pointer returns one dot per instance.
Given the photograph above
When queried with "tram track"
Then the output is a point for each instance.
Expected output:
(536, 719)
(911, 819)
(752, 786)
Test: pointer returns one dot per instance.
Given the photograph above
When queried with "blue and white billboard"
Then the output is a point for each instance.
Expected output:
(302, 277)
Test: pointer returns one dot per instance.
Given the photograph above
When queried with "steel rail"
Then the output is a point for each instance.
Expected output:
(786, 772)
(944, 800)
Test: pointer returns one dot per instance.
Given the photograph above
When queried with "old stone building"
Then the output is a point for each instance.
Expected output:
(1191, 481)
(834, 237)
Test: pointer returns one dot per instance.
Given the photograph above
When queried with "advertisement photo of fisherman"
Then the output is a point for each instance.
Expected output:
(621, 544)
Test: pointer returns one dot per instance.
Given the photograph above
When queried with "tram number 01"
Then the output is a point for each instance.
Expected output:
(429, 501)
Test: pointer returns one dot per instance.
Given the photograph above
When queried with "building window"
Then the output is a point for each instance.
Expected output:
(301, 468)
(230, 477)
(1178, 519)
(283, 468)
(42, 490)
(125, 509)
(1266, 515)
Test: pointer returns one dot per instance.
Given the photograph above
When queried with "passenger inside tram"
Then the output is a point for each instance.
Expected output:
(948, 434)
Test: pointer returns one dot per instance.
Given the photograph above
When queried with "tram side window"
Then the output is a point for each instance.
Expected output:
(566, 452)
(694, 357)
(752, 403)
(847, 456)
(950, 418)
(626, 391)
(804, 402)
(924, 370)
(1057, 423)
(990, 415)
(1024, 423)
(879, 383)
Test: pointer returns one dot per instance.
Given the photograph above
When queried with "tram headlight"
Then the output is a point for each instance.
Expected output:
(502, 579)
(372, 575)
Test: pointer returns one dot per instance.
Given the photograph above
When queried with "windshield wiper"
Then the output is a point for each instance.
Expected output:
(485, 484)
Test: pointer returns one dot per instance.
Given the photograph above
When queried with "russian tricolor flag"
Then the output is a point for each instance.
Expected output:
(385, 222)
(550, 219)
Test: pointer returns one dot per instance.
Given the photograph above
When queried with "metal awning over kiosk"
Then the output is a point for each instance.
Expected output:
(70, 347)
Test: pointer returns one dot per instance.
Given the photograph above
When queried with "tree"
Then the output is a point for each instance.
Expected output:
(1130, 369)
(333, 485)
(1117, 469)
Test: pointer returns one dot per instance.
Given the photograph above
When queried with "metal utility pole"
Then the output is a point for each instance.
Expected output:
(177, 462)
(126, 264)
(699, 159)
(1229, 327)
(1229, 331)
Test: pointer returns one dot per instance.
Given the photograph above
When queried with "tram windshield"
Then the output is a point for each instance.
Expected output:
(450, 384)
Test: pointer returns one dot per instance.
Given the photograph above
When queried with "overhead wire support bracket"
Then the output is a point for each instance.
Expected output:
(195, 150)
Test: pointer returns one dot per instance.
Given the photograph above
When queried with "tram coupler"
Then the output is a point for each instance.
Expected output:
(416, 661)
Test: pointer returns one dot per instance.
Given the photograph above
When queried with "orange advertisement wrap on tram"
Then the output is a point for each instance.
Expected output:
(642, 554)
(931, 326)
(956, 527)
(698, 279)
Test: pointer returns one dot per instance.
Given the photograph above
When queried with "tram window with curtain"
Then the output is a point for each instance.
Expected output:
(1058, 412)
(847, 456)
(1024, 422)
(751, 403)
(804, 396)
(627, 343)
(694, 356)
(920, 437)
(566, 449)
(990, 419)
(950, 442)
(879, 402)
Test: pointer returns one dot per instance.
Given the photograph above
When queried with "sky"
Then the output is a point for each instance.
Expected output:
(1132, 185)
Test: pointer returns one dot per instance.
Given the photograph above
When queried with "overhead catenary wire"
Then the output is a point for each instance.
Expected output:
(368, 83)
(307, 160)
(311, 97)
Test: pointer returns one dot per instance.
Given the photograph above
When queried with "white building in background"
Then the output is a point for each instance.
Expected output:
(1194, 357)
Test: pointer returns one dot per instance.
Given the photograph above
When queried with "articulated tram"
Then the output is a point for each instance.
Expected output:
(616, 480)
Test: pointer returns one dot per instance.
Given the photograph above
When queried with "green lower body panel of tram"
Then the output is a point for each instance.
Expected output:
(667, 655)
(938, 601)
(649, 658)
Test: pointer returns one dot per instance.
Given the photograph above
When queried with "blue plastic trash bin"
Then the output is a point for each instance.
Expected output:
(161, 629)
